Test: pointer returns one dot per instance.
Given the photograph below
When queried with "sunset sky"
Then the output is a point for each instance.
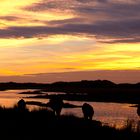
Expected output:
(62, 36)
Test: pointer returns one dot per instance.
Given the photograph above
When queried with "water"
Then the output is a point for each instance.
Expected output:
(9, 98)
(113, 114)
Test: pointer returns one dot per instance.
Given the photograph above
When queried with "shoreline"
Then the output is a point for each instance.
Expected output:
(82, 98)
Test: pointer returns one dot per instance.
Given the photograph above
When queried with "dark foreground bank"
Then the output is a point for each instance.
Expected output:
(43, 125)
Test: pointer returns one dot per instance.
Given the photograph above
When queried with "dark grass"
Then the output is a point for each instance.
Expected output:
(42, 124)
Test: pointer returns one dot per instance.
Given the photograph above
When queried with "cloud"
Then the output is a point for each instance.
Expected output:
(108, 10)
(121, 30)
(66, 21)
(10, 18)
(79, 5)
(103, 19)
(47, 5)
(44, 5)
(125, 40)
(84, 1)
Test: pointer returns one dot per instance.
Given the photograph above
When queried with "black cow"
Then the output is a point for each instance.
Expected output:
(56, 105)
(21, 105)
(138, 110)
(88, 111)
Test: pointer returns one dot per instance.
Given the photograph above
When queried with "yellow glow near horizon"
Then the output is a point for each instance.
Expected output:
(5, 72)
(104, 58)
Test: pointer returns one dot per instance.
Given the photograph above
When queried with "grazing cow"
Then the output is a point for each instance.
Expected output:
(138, 110)
(56, 105)
(88, 111)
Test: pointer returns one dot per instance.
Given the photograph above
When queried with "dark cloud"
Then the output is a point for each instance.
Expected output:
(84, 1)
(88, 6)
(19, 19)
(61, 4)
(70, 68)
(100, 18)
(67, 21)
(122, 40)
(10, 18)
(88, 1)
(47, 5)
(124, 30)
(104, 10)
(110, 11)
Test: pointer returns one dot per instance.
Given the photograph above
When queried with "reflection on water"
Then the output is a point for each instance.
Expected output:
(114, 114)
(9, 98)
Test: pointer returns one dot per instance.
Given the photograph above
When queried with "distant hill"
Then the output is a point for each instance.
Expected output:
(98, 90)
(67, 85)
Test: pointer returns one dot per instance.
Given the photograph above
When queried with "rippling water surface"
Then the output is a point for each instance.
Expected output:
(113, 114)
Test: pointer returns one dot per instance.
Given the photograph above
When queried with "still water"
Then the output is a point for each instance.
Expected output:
(113, 114)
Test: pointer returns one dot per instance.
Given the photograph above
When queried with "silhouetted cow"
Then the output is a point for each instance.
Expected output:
(21, 105)
(88, 111)
(138, 110)
(56, 104)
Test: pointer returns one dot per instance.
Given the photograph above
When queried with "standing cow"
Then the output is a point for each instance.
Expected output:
(21, 104)
(56, 104)
(138, 110)
(88, 111)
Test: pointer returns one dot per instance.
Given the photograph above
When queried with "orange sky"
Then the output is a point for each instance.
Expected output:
(51, 36)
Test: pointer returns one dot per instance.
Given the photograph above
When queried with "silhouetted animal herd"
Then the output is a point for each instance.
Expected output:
(57, 104)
